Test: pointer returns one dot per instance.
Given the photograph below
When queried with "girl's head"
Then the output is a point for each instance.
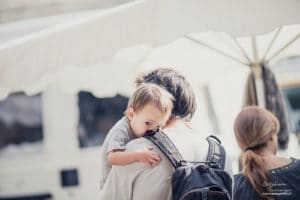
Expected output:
(256, 130)
(149, 108)
(254, 127)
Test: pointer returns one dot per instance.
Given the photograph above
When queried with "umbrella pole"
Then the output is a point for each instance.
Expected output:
(210, 109)
(256, 67)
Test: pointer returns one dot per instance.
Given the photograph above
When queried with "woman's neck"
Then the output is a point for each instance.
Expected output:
(271, 160)
(172, 123)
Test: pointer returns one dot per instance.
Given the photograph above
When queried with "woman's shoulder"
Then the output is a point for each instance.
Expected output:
(242, 184)
(295, 161)
(240, 179)
(242, 188)
(291, 167)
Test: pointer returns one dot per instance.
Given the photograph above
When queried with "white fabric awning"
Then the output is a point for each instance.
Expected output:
(85, 39)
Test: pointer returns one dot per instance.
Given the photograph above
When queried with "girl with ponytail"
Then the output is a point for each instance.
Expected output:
(264, 174)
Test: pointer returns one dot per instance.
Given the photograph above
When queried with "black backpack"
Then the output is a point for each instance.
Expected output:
(196, 180)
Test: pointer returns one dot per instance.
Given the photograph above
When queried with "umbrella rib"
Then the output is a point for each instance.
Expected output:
(284, 47)
(228, 42)
(241, 48)
(215, 49)
(271, 43)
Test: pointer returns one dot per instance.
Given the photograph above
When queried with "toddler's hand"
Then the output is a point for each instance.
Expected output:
(148, 157)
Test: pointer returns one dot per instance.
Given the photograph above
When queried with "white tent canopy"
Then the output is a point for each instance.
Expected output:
(86, 40)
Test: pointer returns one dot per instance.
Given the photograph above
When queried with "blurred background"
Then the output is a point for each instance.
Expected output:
(67, 69)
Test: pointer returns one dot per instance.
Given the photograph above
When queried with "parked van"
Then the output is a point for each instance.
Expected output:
(50, 144)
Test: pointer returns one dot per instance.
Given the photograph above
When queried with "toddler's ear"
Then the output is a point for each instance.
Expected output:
(130, 113)
(273, 137)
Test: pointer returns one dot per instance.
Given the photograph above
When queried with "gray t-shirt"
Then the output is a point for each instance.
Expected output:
(118, 136)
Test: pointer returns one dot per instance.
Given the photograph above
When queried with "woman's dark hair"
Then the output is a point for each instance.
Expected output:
(253, 128)
(176, 84)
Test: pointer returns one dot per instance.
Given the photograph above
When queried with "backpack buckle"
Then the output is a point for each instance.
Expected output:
(214, 165)
(204, 193)
(182, 162)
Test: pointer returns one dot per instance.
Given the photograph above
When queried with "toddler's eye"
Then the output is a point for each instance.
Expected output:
(148, 124)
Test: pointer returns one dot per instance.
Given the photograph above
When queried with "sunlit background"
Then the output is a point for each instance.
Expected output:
(68, 68)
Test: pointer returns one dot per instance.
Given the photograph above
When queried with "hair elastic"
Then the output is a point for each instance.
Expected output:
(252, 148)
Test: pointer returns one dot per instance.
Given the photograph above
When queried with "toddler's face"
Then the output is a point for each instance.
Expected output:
(148, 118)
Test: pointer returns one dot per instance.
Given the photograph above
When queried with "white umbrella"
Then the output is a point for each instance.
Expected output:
(203, 55)
(225, 75)
(264, 49)
(84, 41)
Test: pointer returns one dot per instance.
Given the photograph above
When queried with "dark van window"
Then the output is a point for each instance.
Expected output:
(97, 116)
(293, 97)
(20, 119)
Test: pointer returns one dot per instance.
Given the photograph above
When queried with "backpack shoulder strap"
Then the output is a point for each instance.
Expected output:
(216, 152)
(163, 142)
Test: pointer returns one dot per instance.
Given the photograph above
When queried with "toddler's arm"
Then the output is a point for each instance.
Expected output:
(146, 156)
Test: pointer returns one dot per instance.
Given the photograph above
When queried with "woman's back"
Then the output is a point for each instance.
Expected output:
(284, 183)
